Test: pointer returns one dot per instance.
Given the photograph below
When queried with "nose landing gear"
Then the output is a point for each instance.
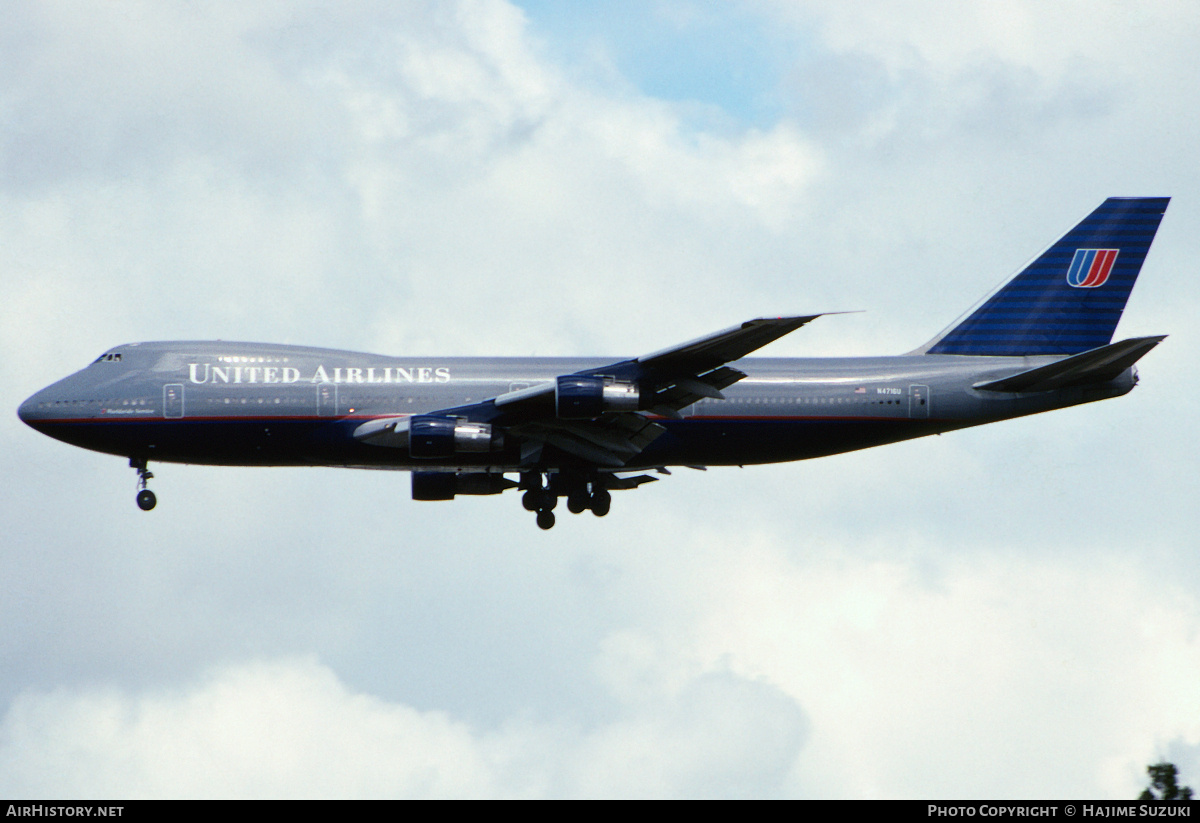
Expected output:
(146, 499)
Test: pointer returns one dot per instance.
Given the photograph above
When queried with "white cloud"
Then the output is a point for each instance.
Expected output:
(765, 672)
(290, 728)
(286, 728)
(973, 677)
(420, 178)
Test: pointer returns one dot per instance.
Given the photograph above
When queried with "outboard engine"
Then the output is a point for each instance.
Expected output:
(581, 397)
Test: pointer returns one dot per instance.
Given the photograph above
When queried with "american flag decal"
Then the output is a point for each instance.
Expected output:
(1090, 267)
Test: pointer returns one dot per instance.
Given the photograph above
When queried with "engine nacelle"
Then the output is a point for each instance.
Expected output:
(444, 485)
(580, 397)
(432, 437)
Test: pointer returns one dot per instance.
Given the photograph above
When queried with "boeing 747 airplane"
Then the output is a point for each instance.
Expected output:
(582, 428)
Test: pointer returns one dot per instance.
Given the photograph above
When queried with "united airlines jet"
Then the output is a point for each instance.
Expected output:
(582, 428)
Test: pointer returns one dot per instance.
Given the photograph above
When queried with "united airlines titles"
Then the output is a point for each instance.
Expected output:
(207, 373)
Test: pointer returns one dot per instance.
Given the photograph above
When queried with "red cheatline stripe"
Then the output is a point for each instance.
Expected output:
(107, 421)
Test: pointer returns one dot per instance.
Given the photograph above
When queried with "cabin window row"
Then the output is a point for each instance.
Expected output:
(226, 358)
(112, 401)
(810, 401)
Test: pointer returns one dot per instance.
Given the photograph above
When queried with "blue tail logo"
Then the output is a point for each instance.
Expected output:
(1091, 267)
(1041, 312)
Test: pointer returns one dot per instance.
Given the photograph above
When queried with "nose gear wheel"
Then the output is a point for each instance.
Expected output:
(146, 499)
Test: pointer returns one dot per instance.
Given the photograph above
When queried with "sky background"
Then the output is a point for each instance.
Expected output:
(1011, 611)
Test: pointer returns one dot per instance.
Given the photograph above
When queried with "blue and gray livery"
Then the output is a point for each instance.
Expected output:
(582, 428)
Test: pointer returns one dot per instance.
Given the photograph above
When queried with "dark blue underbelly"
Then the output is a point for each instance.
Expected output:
(318, 441)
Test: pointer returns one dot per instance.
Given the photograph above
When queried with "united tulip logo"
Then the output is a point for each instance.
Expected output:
(1090, 267)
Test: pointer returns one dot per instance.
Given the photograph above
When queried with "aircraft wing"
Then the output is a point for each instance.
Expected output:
(723, 347)
(604, 415)
(674, 378)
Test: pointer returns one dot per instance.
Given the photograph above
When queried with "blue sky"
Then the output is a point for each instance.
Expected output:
(1010, 611)
(717, 54)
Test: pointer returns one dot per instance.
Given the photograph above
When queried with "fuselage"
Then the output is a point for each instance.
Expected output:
(570, 427)
(228, 403)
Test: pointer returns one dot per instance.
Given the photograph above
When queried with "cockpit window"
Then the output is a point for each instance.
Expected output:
(110, 357)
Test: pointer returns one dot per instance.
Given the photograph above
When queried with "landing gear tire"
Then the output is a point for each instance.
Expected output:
(577, 503)
(145, 497)
(601, 502)
(545, 519)
(535, 500)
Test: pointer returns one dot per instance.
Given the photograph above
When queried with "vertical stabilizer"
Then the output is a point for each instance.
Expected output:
(1070, 298)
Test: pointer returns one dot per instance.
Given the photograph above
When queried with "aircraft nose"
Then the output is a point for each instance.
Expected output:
(32, 411)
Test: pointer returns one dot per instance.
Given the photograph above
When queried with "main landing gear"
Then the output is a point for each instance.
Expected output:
(145, 498)
(583, 492)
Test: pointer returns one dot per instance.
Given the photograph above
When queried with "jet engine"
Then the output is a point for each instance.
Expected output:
(444, 485)
(437, 437)
(581, 397)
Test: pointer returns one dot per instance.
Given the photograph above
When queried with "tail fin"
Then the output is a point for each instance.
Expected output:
(1070, 298)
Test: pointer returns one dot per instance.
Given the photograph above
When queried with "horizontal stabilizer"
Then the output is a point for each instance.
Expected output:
(1095, 366)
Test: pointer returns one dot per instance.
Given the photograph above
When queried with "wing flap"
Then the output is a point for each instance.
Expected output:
(610, 441)
(685, 391)
(611, 481)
